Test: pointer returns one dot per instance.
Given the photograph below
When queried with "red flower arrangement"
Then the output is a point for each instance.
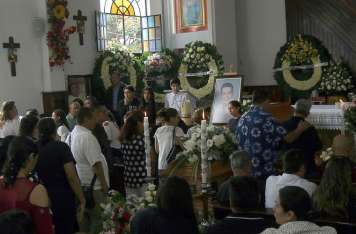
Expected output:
(58, 36)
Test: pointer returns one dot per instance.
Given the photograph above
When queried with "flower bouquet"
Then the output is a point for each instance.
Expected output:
(158, 63)
(115, 215)
(220, 144)
(120, 61)
(198, 54)
(336, 79)
(58, 36)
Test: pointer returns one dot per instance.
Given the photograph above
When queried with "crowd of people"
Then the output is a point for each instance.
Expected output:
(56, 170)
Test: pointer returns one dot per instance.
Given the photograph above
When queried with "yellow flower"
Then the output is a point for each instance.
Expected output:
(59, 11)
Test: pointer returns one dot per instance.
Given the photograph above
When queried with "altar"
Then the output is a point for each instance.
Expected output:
(327, 117)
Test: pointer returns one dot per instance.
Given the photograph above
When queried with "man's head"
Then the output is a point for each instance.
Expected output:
(74, 108)
(227, 91)
(86, 118)
(234, 108)
(74, 89)
(343, 145)
(101, 114)
(129, 92)
(302, 107)
(114, 77)
(293, 162)
(241, 163)
(260, 97)
(175, 85)
(244, 194)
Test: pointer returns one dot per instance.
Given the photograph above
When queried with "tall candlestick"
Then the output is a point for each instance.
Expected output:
(204, 158)
(147, 144)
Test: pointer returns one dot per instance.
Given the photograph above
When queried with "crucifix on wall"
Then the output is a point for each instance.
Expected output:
(80, 25)
(11, 54)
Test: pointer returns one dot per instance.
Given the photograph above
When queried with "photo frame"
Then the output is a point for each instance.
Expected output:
(226, 90)
(191, 15)
(78, 86)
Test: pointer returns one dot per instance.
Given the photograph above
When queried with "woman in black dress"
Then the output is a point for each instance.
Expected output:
(133, 149)
(57, 172)
(148, 105)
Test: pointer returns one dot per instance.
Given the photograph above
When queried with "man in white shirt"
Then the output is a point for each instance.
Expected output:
(294, 170)
(89, 158)
(175, 99)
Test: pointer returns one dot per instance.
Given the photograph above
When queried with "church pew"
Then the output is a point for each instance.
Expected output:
(342, 226)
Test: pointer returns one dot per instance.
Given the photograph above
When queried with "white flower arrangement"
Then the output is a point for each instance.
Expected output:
(121, 61)
(220, 144)
(336, 79)
(158, 63)
(326, 154)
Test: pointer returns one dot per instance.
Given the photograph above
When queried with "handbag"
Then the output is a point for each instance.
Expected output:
(88, 194)
(174, 150)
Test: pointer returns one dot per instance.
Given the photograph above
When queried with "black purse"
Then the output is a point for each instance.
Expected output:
(88, 194)
(174, 150)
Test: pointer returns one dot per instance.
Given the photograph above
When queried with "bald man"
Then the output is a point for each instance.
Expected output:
(344, 146)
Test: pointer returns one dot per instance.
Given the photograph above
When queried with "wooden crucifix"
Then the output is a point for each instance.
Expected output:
(11, 54)
(80, 25)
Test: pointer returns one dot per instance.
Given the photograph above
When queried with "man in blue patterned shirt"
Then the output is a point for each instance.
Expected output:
(260, 135)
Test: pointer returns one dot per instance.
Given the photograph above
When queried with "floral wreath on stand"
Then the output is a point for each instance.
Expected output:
(159, 69)
(203, 59)
(336, 79)
(58, 36)
(117, 60)
(298, 65)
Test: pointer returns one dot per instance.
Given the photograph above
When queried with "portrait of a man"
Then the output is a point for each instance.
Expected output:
(226, 90)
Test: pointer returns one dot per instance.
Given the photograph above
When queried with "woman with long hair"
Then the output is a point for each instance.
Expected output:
(167, 137)
(60, 119)
(292, 211)
(18, 192)
(56, 169)
(174, 213)
(28, 127)
(335, 195)
(148, 105)
(9, 121)
(133, 149)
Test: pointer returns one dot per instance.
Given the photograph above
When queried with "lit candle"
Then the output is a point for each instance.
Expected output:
(204, 158)
(147, 144)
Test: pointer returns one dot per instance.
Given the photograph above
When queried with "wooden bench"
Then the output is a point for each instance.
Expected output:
(343, 226)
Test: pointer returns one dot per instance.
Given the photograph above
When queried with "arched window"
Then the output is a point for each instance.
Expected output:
(126, 23)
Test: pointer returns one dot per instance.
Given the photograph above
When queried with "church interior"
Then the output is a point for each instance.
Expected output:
(177, 116)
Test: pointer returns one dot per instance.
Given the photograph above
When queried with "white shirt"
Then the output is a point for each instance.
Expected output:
(176, 100)
(275, 183)
(10, 128)
(86, 151)
(164, 139)
(112, 132)
(63, 132)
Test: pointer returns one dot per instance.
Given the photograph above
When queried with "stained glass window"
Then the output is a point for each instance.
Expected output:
(126, 23)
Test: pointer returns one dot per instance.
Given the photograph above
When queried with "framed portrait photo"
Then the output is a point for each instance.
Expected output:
(226, 90)
(78, 86)
(191, 15)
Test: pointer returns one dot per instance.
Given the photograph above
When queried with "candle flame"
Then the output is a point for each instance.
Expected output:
(145, 114)
(203, 114)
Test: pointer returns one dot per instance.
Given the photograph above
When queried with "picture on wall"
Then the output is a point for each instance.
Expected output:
(191, 15)
(78, 86)
(226, 90)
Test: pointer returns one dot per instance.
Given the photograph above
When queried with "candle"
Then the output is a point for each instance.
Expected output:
(147, 144)
(204, 158)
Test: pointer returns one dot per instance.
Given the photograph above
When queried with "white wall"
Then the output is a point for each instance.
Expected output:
(16, 20)
(82, 57)
(226, 32)
(175, 40)
(261, 29)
